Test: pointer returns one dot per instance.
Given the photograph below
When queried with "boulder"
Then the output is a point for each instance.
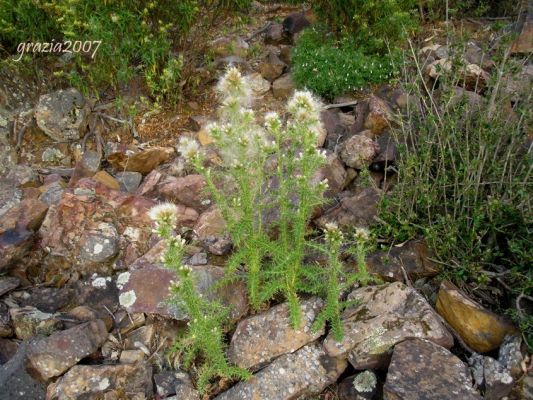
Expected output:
(272, 67)
(283, 87)
(421, 369)
(480, 328)
(263, 337)
(258, 84)
(385, 316)
(305, 372)
(358, 151)
(62, 115)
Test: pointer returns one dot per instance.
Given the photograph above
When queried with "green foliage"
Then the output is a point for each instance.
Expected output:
(331, 67)
(204, 339)
(465, 180)
(374, 25)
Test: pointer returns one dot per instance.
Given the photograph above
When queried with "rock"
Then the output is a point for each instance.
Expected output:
(26, 215)
(8, 349)
(149, 183)
(517, 85)
(144, 335)
(14, 244)
(131, 356)
(481, 329)
(435, 51)
(7, 284)
(385, 316)
(100, 244)
(225, 46)
(87, 167)
(523, 44)
(129, 181)
(510, 355)
(188, 191)
(29, 322)
(475, 78)
(276, 35)
(272, 67)
(388, 152)
(104, 178)
(358, 210)
(210, 230)
(285, 53)
(178, 383)
(258, 84)
(10, 195)
(362, 386)
(47, 299)
(412, 256)
(358, 151)
(525, 388)
(336, 130)
(263, 337)
(335, 173)
(491, 377)
(283, 87)
(52, 192)
(52, 356)
(473, 99)
(15, 381)
(379, 116)
(6, 329)
(305, 372)
(23, 175)
(437, 68)
(295, 23)
(133, 381)
(420, 369)
(198, 122)
(146, 290)
(62, 115)
(142, 162)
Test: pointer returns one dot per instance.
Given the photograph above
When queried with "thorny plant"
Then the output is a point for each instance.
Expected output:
(207, 318)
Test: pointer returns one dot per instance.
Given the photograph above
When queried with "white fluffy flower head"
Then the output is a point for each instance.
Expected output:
(234, 88)
(164, 213)
(362, 234)
(188, 147)
(304, 107)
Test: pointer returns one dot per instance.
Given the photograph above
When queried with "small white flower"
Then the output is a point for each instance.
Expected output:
(165, 213)
(362, 234)
(188, 147)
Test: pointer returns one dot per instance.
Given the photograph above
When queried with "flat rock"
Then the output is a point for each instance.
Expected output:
(412, 257)
(142, 161)
(52, 356)
(62, 115)
(29, 322)
(480, 328)
(187, 190)
(305, 372)
(421, 370)
(146, 290)
(258, 84)
(134, 381)
(7, 284)
(385, 315)
(263, 337)
(283, 87)
(129, 181)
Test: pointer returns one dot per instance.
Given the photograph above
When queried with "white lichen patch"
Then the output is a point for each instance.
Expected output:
(127, 299)
(365, 382)
(97, 249)
(103, 384)
(122, 279)
(100, 282)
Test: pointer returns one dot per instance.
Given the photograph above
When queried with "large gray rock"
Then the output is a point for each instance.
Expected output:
(385, 316)
(62, 115)
(422, 370)
(263, 337)
(305, 372)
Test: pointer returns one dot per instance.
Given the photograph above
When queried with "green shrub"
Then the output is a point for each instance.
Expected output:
(330, 67)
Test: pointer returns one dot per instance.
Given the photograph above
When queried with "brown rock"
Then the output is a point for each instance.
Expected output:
(26, 215)
(275, 35)
(335, 173)
(14, 244)
(104, 178)
(524, 42)
(305, 372)
(481, 329)
(263, 337)
(29, 322)
(385, 315)
(86, 167)
(210, 229)
(411, 257)
(143, 162)
(188, 191)
(379, 116)
(283, 87)
(226, 46)
(53, 355)
(358, 151)
(422, 370)
(259, 86)
(272, 67)
(134, 381)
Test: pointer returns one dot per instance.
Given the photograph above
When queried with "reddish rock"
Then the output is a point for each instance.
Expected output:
(86, 167)
(335, 173)
(143, 161)
(188, 191)
(148, 186)
(272, 67)
(379, 116)
(210, 229)
(28, 214)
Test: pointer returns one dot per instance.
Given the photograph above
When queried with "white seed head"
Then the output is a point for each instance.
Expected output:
(164, 213)
(188, 147)
(362, 234)
(304, 107)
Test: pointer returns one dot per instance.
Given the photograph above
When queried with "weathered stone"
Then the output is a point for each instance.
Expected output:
(142, 162)
(210, 229)
(104, 178)
(475, 78)
(491, 377)
(283, 87)
(178, 383)
(8, 349)
(100, 244)
(285, 53)
(388, 152)
(134, 381)
(379, 115)
(131, 356)
(52, 356)
(421, 369)
(481, 329)
(129, 181)
(517, 85)
(144, 335)
(146, 290)
(275, 35)
(336, 130)
(46, 299)
(263, 337)
(362, 386)
(226, 46)
(147, 187)
(16, 383)
(358, 151)
(62, 115)
(29, 322)
(272, 67)
(188, 191)
(10, 195)
(358, 210)
(14, 244)
(510, 355)
(258, 84)
(335, 174)
(437, 68)
(52, 192)
(412, 257)
(305, 372)
(435, 51)
(6, 328)
(86, 167)
(385, 315)
(23, 175)
(27, 215)
(7, 284)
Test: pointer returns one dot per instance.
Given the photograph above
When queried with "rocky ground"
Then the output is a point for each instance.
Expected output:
(82, 289)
